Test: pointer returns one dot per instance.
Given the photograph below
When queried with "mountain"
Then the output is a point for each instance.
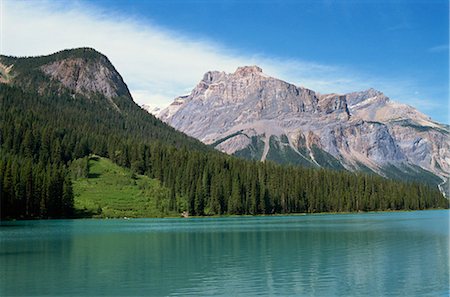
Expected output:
(250, 114)
(58, 108)
(154, 110)
(82, 71)
(59, 113)
(85, 79)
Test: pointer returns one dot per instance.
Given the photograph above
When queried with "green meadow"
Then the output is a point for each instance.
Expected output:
(111, 191)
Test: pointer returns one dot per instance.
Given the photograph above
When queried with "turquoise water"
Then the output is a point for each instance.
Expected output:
(375, 254)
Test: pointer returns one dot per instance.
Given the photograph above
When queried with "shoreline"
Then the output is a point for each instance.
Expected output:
(230, 216)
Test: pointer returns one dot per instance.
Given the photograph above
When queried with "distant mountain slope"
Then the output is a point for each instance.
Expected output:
(250, 114)
(82, 71)
(84, 79)
(58, 109)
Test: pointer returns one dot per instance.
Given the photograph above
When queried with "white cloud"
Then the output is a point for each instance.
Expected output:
(156, 63)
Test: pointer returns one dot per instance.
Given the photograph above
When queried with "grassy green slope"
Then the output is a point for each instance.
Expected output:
(113, 191)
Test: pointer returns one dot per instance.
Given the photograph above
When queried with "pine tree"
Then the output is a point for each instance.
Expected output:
(235, 202)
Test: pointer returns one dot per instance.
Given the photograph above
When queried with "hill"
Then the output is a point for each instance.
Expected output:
(109, 191)
(60, 108)
(250, 114)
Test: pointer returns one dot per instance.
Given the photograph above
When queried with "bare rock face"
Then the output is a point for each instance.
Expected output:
(81, 71)
(357, 97)
(4, 73)
(85, 76)
(251, 114)
(151, 109)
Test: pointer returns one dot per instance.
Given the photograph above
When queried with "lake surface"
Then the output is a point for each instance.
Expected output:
(375, 254)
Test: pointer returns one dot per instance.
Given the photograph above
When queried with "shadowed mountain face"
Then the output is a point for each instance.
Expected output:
(250, 114)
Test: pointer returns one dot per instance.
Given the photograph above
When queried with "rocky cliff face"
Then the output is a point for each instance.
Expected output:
(250, 114)
(86, 76)
(82, 71)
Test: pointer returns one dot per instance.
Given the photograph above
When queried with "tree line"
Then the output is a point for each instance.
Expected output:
(212, 184)
(41, 134)
(30, 190)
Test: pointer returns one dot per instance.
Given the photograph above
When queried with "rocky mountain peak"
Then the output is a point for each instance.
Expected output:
(87, 74)
(83, 71)
(248, 70)
(250, 114)
(333, 102)
(357, 97)
(211, 77)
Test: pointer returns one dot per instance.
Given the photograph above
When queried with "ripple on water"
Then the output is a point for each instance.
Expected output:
(384, 254)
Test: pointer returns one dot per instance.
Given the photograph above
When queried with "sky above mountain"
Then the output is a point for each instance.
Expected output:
(162, 48)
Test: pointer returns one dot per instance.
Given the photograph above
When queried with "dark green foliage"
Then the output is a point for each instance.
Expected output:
(34, 190)
(256, 188)
(284, 139)
(363, 168)
(26, 71)
(411, 173)
(282, 153)
(42, 133)
(80, 168)
(325, 159)
(420, 128)
(252, 152)
(22, 65)
(219, 141)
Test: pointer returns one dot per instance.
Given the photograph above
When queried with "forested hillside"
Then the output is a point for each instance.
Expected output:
(45, 126)
(103, 189)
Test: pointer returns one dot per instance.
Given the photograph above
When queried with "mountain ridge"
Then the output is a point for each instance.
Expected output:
(360, 130)
(81, 71)
(48, 125)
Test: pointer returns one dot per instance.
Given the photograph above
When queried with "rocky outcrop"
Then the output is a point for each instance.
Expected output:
(249, 113)
(5, 76)
(85, 76)
(81, 71)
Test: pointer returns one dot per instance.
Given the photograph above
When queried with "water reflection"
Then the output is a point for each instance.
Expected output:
(403, 254)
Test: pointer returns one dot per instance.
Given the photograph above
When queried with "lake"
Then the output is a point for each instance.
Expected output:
(371, 254)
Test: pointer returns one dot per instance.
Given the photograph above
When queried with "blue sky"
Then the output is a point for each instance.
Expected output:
(399, 47)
